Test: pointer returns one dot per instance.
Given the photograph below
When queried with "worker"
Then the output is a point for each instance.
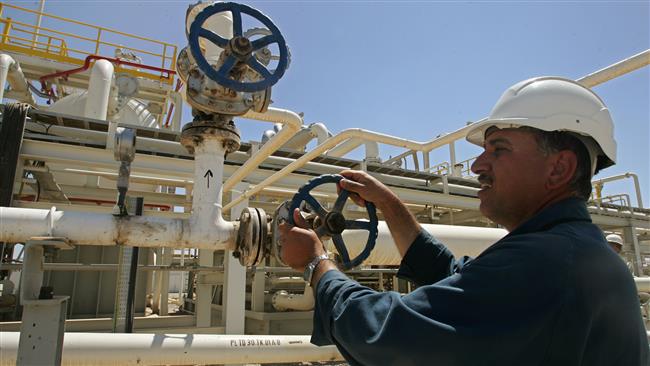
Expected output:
(615, 242)
(550, 292)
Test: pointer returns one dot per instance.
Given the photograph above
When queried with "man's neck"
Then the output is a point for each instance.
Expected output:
(548, 201)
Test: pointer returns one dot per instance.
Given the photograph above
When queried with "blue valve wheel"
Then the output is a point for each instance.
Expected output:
(221, 75)
(333, 221)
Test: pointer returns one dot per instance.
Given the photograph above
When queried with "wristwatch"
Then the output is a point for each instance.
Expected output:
(309, 269)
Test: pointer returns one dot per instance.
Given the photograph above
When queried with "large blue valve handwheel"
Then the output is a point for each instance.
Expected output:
(221, 75)
(333, 221)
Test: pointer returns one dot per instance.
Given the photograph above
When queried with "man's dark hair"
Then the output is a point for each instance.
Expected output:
(550, 142)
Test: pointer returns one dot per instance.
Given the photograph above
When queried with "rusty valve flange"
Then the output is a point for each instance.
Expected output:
(219, 127)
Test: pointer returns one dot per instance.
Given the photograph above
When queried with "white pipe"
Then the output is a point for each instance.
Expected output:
(345, 135)
(11, 72)
(282, 300)
(39, 18)
(6, 62)
(620, 68)
(298, 141)
(99, 90)
(177, 349)
(220, 23)
(206, 228)
(642, 284)
(343, 148)
(291, 123)
(89, 228)
(635, 178)
(320, 131)
(372, 151)
(461, 240)
(207, 191)
(177, 99)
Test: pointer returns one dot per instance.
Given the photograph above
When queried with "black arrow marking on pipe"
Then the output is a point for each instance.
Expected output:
(208, 174)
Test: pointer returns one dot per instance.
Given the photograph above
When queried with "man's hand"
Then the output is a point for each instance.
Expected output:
(364, 187)
(299, 245)
(402, 224)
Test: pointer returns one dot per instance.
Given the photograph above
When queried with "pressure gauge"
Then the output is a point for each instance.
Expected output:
(126, 85)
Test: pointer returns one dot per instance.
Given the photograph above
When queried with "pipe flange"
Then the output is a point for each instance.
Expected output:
(220, 127)
(252, 243)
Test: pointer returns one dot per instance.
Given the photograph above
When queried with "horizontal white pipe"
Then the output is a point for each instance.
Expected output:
(461, 240)
(620, 68)
(642, 284)
(283, 300)
(88, 228)
(291, 123)
(152, 166)
(177, 349)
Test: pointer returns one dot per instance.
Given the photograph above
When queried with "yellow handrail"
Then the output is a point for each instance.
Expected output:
(56, 47)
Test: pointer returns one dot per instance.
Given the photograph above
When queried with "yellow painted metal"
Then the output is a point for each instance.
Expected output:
(91, 41)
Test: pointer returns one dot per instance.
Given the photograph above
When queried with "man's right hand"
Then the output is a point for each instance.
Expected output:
(364, 187)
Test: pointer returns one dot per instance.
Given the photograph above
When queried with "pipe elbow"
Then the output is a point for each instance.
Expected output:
(287, 118)
(283, 300)
(6, 61)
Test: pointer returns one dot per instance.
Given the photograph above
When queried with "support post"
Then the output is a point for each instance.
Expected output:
(234, 294)
(203, 308)
(43, 322)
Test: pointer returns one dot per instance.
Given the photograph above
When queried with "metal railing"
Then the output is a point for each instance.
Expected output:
(88, 39)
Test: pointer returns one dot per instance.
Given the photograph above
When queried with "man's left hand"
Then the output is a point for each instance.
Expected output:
(299, 244)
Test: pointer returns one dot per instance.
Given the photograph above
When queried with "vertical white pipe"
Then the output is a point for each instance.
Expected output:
(99, 89)
(206, 210)
(372, 151)
(38, 23)
(209, 158)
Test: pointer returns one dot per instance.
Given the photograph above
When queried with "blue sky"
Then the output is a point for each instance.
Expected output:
(417, 69)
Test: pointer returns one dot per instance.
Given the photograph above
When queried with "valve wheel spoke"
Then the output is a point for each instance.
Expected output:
(311, 201)
(263, 42)
(258, 67)
(213, 37)
(357, 225)
(340, 201)
(227, 65)
(340, 247)
(236, 22)
(322, 230)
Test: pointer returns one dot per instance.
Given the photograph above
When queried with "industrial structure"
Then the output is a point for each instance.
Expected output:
(117, 217)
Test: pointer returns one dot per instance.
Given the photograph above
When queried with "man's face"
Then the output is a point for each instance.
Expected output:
(512, 172)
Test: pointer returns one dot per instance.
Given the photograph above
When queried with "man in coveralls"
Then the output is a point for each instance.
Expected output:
(551, 292)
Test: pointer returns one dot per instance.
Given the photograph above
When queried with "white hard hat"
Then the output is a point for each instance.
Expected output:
(614, 238)
(555, 104)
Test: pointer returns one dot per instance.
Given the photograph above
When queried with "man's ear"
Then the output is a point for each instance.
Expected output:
(563, 167)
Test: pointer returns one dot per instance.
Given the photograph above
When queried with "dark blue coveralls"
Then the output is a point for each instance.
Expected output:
(551, 292)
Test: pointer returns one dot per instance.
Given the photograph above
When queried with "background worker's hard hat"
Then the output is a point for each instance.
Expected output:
(555, 104)
(614, 238)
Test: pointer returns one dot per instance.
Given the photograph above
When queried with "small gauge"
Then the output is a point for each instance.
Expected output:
(126, 85)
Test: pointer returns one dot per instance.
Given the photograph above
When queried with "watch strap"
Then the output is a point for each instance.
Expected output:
(311, 267)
